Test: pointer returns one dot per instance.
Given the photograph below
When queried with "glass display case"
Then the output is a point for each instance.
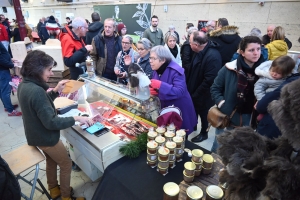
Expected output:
(120, 108)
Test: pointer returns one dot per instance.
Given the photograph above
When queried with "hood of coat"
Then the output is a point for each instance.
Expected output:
(95, 27)
(227, 33)
(279, 44)
(263, 69)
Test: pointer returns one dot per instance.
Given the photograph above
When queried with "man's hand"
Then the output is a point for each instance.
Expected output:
(89, 47)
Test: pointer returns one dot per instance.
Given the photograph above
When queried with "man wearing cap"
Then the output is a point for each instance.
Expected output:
(73, 47)
(106, 46)
(50, 30)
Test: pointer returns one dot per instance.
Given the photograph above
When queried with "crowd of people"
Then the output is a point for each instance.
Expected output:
(213, 66)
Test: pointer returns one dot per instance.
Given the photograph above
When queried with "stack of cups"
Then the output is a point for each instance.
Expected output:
(163, 160)
(197, 160)
(207, 163)
(169, 135)
(189, 172)
(171, 146)
(181, 133)
(178, 149)
(194, 193)
(152, 153)
(214, 192)
(171, 191)
(160, 140)
(151, 135)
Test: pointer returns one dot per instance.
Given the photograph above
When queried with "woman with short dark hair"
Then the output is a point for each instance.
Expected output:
(233, 88)
(42, 125)
(168, 83)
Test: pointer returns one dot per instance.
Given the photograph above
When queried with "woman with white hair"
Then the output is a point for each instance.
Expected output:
(168, 83)
(170, 44)
(121, 69)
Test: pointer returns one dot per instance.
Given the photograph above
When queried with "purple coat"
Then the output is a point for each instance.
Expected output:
(173, 91)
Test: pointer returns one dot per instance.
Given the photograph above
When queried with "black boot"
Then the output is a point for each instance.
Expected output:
(200, 137)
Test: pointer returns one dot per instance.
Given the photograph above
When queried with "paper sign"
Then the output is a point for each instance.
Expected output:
(61, 102)
(72, 86)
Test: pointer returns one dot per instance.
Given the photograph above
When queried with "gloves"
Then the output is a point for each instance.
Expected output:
(155, 83)
(153, 92)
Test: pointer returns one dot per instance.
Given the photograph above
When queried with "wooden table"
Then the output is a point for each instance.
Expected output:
(203, 180)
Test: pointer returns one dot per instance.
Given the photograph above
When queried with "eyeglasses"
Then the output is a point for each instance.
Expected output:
(152, 58)
(140, 49)
(126, 43)
(85, 27)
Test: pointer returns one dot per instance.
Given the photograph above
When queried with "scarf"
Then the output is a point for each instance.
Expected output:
(245, 85)
(174, 51)
(162, 68)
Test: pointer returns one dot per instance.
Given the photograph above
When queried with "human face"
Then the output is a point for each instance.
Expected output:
(142, 51)
(47, 73)
(126, 44)
(211, 26)
(83, 29)
(109, 28)
(2, 18)
(171, 42)
(154, 22)
(270, 30)
(275, 75)
(124, 30)
(155, 63)
(251, 53)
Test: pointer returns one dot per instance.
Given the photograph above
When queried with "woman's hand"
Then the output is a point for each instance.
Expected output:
(153, 91)
(155, 84)
(84, 120)
(60, 86)
(127, 60)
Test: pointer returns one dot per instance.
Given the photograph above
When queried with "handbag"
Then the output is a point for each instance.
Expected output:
(218, 119)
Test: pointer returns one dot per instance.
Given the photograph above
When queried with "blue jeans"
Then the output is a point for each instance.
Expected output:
(246, 122)
(5, 90)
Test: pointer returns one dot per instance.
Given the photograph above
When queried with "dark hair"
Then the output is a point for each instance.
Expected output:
(95, 17)
(87, 21)
(35, 63)
(283, 65)
(223, 22)
(247, 40)
(154, 16)
(199, 39)
(68, 18)
(189, 25)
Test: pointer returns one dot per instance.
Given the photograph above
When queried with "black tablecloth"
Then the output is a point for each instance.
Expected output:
(133, 179)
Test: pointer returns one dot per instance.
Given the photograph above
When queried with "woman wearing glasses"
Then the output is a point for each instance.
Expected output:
(121, 69)
(168, 83)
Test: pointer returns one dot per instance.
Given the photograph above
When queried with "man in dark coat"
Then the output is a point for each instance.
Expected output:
(94, 28)
(228, 39)
(204, 68)
(267, 38)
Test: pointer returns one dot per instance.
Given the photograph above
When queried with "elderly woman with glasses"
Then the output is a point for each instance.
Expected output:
(121, 69)
(174, 49)
(168, 83)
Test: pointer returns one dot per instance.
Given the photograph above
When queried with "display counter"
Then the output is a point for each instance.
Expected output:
(125, 113)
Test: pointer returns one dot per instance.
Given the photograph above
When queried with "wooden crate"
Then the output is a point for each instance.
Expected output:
(58, 76)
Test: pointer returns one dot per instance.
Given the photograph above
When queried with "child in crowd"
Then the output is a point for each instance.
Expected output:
(271, 75)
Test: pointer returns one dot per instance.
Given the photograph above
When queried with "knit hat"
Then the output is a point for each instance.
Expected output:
(120, 27)
(52, 24)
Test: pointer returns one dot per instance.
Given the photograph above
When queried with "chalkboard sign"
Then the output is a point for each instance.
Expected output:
(136, 17)
(201, 24)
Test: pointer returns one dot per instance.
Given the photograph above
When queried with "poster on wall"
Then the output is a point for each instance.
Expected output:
(136, 17)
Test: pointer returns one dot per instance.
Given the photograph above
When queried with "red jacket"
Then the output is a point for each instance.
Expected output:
(3, 33)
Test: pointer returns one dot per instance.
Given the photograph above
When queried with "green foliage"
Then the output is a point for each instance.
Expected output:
(133, 148)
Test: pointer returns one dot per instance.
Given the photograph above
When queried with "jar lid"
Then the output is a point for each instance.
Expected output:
(177, 139)
(170, 145)
(197, 152)
(214, 192)
(194, 192)
(171, 189)
(152, 134)
(189, 166)
(208, 158)
(169, 134)
(163, 151)
(152, 144)
(160, 130)
(160, 139)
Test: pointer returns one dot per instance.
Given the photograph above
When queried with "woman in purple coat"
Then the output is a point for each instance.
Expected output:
(168, 83)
